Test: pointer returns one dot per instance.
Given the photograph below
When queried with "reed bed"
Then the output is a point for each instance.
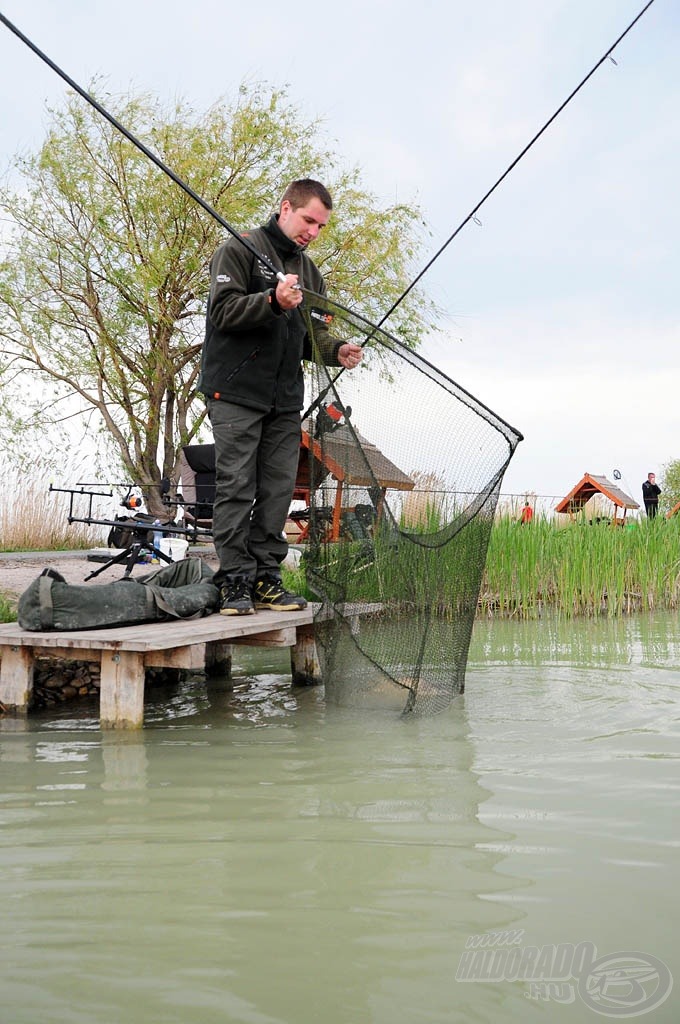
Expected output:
(581, 569)
(569, 569)
(33, 518)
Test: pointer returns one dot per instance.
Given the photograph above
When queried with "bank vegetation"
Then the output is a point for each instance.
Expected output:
(581, 569)
(548, 566)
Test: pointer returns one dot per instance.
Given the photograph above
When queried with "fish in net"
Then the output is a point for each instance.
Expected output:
(399, 477)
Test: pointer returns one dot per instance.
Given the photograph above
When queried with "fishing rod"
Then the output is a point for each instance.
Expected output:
(472, 215)
(244, 241)
(144, 149)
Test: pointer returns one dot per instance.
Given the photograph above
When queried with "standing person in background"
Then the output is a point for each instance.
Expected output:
(252, 380)
(650, 495)
(527, 513)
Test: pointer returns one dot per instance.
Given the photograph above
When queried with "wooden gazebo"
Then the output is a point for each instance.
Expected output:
(591, 485)
(338, 456)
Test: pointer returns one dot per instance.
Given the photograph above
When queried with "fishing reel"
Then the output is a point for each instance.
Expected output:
(330, 417)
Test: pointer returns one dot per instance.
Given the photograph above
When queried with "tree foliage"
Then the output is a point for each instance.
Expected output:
(670, 485)
(104, 276)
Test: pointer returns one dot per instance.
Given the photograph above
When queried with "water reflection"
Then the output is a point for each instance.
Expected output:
(652, 639)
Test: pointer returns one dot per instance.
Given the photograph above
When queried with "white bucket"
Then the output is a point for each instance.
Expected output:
(174, 547)
(178, 549)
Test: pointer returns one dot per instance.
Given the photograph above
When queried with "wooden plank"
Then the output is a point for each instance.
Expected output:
(218, 659)
(57, 651)
(348, 610)
(189, 657)
(124, 653)
(153, 636)
(304, 659)
(272, 638)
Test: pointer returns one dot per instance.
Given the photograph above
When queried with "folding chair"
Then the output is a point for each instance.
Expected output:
(197, 482)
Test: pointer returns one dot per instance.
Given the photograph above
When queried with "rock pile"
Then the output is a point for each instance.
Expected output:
(57, 680)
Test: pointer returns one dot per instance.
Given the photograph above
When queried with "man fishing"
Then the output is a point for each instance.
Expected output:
(252, 380)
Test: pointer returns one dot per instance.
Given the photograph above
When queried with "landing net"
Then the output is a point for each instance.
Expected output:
(399, 477)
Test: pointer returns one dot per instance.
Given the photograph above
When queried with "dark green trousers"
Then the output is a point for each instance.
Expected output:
(256, 460)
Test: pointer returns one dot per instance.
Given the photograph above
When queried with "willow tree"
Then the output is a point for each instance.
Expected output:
(104, 273)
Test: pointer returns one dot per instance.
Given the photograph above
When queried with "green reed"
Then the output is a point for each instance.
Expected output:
(571, 568)
(581, 569)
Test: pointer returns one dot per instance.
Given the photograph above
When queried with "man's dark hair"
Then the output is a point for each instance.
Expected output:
(301, 191)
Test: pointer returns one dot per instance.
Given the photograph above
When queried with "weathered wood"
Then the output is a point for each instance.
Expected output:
(192, 657)
(125, 652)
(156, 636)
(121, 698)
(273, 638)
(218, 659)
(16, 677)
(304, 659)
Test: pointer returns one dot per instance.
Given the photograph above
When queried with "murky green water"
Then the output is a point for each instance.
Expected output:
(259, 856)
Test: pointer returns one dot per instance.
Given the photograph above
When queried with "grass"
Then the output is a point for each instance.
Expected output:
(579, 569)
(8, 612)
(567, 568)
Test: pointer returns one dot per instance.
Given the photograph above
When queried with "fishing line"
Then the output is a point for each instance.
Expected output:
(144, 149)
(417, 570)
(232, 231)
(472, 215)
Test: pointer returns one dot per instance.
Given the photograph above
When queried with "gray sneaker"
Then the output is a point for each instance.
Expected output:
(235, 597)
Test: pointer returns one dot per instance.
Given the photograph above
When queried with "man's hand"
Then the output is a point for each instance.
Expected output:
(350, 355)
(288, 293)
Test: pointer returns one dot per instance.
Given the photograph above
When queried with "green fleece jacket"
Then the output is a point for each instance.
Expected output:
(253, 350)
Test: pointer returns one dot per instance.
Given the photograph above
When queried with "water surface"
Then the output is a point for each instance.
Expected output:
(258, 855)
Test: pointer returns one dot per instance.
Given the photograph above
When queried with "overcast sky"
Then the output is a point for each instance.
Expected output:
(563, 304)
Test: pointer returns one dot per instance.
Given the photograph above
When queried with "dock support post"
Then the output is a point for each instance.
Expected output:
(16, 677)
(121, 699)
(218, 657)
(304, 658)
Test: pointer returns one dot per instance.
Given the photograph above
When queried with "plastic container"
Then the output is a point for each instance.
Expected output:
(178, 546)
(174, 547)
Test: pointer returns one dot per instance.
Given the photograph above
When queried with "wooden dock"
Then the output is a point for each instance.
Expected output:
(125, 652)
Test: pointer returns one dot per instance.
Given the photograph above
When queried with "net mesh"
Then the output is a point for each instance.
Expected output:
(399, 477)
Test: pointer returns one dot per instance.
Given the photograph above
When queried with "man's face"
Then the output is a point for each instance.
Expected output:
(651, 478)
(303, 225)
